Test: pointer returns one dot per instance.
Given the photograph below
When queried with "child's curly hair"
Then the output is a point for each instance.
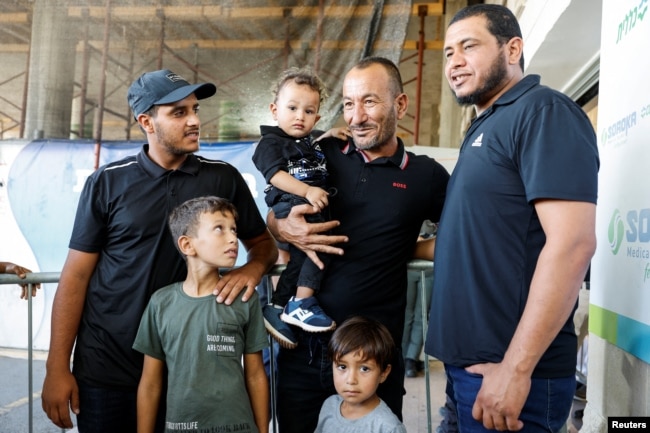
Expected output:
(302, 76)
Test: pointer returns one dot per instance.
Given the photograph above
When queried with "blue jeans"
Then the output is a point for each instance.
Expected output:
(105, 410)
(305, 381)
(546, 409)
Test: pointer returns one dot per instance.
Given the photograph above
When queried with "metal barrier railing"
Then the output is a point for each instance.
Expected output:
(423, 266)
(30, 279)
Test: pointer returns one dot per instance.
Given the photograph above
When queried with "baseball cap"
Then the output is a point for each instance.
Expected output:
(163, 87)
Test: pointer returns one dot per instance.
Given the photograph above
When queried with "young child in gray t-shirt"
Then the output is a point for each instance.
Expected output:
(361, 350)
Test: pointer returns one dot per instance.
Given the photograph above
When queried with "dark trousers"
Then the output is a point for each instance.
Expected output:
(105, 410)
(300, 271)
(305, 381)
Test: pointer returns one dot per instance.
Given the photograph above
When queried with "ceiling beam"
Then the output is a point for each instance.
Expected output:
(275, 44)
(428, 45)
(14, 48)
(188, 13)
(239, 45)
(200, 13)
(14, 18)
(184, 13)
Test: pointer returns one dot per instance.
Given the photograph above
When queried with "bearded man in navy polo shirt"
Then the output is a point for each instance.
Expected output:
(516, 235)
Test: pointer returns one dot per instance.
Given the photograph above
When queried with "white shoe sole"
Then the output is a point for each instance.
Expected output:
(281, 339)
(304, 326)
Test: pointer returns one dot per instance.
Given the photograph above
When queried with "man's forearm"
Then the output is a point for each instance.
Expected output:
(553, 294)
(68, 305)
(263, 254)
(66, 316)
(272, 224)
(561, 266)
(425, 249)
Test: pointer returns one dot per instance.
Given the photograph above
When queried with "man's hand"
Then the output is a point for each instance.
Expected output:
(231, 284)
(60, 395)
(21, 272)
(501, 397)
(262, 254)
(307, 236)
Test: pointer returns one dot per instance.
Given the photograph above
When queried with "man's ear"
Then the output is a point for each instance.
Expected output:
(146, 123)
(185, 246)
(402, 104)
(515, 47)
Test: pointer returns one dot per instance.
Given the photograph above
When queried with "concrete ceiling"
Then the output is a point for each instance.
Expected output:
(240, 45)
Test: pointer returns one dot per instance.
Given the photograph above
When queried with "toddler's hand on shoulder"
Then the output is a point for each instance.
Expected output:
(342, 133)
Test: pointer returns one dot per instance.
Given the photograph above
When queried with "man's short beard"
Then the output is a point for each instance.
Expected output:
(496, 75)
(371, 145)
(170, 146)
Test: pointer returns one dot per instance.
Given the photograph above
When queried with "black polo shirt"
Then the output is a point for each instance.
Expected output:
(122, 214)
(381, 206)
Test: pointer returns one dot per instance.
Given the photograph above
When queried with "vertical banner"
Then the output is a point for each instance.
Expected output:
(620, 270)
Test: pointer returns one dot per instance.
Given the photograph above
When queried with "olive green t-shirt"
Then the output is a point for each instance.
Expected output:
(202, 343)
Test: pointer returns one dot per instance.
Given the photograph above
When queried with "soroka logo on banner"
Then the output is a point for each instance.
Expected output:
(634, 230)
(617, 132)
(632, 18)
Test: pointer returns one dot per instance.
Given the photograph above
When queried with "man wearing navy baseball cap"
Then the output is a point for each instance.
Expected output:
(121, 252)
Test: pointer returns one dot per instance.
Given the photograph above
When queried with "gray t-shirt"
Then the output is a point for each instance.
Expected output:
(202, 343)
(380, 420)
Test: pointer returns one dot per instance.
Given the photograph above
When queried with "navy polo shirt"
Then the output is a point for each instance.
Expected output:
(381, 206)
(532, 143)
(122, 214)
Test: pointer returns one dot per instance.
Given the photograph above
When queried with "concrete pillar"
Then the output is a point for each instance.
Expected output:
(452, 121)
(51, 71)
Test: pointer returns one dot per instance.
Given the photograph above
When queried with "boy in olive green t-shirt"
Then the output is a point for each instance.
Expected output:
(200, 341)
